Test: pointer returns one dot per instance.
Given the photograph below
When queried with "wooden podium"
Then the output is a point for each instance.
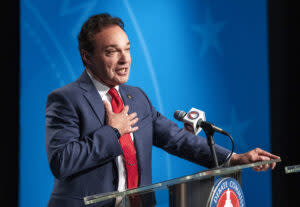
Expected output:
(188, 191)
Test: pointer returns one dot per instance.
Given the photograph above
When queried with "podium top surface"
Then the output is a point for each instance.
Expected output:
(202, 175)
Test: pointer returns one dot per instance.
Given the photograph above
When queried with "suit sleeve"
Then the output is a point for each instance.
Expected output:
(182, 143)
(68, 151)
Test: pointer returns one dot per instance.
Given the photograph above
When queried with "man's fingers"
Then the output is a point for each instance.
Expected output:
(273, 165)
(133, 129)
(262, 152)
(257, 168)
(134, 121)
(264, 158)
(262, 167)
(122, 121)
(132, 116)
(266, 166)
(125, 109)
(130, 129)
(255, 155)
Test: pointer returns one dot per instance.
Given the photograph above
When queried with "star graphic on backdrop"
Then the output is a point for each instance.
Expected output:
(209, 32)
(237, 129)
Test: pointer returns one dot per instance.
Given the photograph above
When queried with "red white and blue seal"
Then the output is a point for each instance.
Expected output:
(193, 115)
(227, 193)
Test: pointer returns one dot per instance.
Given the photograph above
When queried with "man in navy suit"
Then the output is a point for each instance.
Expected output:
(83, 134)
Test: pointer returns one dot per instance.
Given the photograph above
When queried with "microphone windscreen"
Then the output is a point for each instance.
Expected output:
(179, 115)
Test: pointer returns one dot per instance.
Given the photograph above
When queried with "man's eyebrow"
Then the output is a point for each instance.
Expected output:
(116, 46)
(107, 46)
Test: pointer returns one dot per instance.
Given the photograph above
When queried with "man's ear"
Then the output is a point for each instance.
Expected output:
(86, 57)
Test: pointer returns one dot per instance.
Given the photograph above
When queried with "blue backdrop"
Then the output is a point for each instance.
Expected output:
(211, 55)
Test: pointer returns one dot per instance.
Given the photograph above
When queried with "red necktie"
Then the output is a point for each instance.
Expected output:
(126, 144)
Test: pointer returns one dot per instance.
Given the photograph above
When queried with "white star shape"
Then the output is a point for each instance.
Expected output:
(209, 33)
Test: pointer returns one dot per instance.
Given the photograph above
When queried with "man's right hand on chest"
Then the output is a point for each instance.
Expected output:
(122, 121)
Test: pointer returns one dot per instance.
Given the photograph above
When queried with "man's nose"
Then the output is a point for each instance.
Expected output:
(124, 57)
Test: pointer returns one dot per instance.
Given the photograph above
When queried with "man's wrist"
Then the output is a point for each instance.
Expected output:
(116, 132)
(232, 160)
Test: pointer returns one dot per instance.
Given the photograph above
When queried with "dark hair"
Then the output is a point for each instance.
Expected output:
(94, 25)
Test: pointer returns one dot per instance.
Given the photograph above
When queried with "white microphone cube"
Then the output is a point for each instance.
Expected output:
(192, 118)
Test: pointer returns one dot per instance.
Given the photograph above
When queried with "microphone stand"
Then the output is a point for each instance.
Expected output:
(210, 140)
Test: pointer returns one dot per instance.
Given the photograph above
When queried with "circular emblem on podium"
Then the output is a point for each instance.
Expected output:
(227, 192)
(193, 115)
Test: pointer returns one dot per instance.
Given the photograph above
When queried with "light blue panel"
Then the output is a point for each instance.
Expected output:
(211, 55)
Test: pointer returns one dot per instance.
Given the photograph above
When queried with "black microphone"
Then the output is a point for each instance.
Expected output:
(179, 115)
(194, 119)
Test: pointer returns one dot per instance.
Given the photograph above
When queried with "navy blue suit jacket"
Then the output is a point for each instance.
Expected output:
(82, 149)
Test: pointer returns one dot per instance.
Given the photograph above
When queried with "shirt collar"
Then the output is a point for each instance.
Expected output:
(101, 88)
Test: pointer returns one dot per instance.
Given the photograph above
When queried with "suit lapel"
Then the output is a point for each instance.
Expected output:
(128, 98)
(92, 95)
